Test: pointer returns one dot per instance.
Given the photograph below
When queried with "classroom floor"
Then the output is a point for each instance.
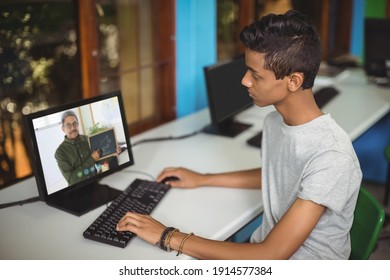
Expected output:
(382, 251)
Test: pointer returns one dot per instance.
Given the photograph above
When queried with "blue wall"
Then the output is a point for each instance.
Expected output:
(357, 28)
(196, 47)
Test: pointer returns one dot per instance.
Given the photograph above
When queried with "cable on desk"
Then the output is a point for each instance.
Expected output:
(157, 139)
(21, 202)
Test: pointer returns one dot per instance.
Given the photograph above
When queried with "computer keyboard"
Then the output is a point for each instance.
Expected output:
(323, 95)
(141, 196)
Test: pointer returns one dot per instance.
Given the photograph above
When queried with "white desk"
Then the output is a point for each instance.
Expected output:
(38, 231)
(360, 104)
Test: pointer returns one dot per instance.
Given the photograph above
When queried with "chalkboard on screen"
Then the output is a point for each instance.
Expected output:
(105, 141)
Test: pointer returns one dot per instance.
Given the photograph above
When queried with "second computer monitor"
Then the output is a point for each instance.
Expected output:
(226, 96)
(377, 47)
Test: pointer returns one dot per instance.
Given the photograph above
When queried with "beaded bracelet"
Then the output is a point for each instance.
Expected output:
(168, 240)
(161, 242)
(182, 243)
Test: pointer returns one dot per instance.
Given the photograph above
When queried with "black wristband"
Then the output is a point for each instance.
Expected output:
(161, 243)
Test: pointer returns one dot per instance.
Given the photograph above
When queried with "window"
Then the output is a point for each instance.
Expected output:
(39, 64)
(332, 19)
(53, 52)
(136, 55)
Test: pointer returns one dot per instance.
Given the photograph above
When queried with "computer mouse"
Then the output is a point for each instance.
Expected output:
(169, 179)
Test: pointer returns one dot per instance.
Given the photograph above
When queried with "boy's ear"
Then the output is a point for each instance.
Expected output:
(295, 81)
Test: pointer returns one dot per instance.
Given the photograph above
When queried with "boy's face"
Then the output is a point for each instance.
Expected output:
(71, 127)
(262, 85)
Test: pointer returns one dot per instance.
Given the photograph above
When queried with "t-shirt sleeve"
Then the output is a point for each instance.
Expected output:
(327, 180)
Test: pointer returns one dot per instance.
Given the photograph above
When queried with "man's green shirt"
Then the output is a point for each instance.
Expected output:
(74, 159)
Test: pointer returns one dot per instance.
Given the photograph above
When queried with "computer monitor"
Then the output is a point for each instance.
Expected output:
(226, 96)
(377, 47)
(68, 178)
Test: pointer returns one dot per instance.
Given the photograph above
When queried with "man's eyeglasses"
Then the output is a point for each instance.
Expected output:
(70, 125)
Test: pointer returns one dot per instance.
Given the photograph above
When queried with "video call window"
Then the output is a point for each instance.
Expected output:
(101, 120)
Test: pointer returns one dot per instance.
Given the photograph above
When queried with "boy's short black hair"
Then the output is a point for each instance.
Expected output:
(289, 42)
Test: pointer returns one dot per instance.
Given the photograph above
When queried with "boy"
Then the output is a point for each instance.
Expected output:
(310, 175)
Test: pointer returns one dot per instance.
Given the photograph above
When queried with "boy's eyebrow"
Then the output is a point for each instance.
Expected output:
(250, 68)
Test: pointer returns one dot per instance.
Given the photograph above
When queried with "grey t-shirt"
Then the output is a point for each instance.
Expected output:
(314, 161)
